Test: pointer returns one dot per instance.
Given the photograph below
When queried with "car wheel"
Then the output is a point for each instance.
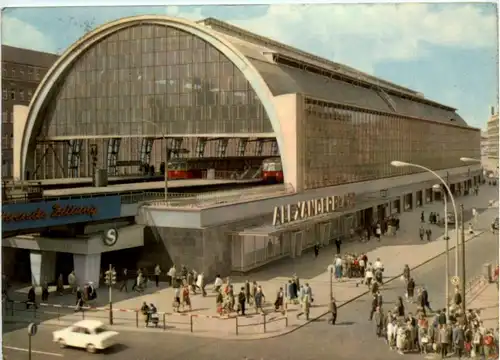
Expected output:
(61, 343)
(91, 348)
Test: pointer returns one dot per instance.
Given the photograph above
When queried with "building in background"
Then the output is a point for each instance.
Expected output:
(492, 130)
(484, 144)
(22, 71)
(491, 161)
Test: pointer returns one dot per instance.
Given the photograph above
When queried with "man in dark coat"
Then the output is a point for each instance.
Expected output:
(379, 321)
(333, 311)
(457, 298)
(459, 340)
(31, 298)
(425, 300)
(241, 301)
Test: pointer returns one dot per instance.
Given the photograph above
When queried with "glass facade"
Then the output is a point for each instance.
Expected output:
(344, 145)
(155, 73)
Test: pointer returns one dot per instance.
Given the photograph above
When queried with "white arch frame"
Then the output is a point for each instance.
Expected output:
(68, 58)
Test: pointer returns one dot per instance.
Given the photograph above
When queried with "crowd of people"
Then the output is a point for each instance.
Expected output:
(428, 331)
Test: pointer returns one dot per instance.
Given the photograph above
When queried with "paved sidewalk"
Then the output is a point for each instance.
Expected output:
(395, 252)
(486, 299)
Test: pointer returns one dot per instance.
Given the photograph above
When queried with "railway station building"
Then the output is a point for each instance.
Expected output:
(137, 90)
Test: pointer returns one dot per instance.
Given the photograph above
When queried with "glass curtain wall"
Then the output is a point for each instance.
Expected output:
(156, 73)
(344, 145)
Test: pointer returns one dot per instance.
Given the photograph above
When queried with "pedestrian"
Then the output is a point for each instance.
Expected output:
(190, 282)
(400, 308)
(338, 267)
(72, 281)
(186, 300)
(45, 291)
(259, 299)
(31, 298)
(425, 299)
(422, 217)
(171, 275)
(379, 321)
(374, 306)
(124, 281)
(459, 340)
(428, 232)
(457, 298)
(241, 302)
(471, 230)
(157, 275)
(338, 242)
(60, 285)
(443, 341)
(406, 273)
(421, 233)
(333, 312)
(79, 299)
(218, 283)
(200, 284)
(307, 299)
(316, 250)
(279, 302)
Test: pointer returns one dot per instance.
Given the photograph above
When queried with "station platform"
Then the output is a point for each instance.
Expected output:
(143, 186)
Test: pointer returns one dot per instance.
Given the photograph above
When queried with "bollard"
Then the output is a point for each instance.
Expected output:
(83, 313)
(264, 315)
(164, 321)
(236, 323)
(137, 319)
(286, 320)
(191, 322)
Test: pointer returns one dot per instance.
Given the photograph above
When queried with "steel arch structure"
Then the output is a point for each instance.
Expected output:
(63, 65)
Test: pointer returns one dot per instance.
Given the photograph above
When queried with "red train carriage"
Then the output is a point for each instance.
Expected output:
(272, 170)
(195, 168)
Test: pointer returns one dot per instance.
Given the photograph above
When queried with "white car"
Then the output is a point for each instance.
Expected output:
(91, 335)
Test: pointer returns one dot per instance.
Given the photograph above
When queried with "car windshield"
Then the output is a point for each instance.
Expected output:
(100, 330)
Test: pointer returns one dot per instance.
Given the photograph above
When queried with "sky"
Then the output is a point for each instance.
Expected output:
(447, 51)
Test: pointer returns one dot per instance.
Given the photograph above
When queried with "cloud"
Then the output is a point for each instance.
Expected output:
(363, 35)
(21, 34)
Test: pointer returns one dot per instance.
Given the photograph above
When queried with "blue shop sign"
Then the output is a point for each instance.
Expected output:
(59, 212)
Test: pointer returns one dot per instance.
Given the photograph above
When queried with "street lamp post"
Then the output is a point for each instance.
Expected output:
(397, 163)
(437, 188)
(166, 157)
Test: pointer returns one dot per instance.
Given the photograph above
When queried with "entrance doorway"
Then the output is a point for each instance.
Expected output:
(381, 213)
(419, 198)
(367, 217)
(64, 265)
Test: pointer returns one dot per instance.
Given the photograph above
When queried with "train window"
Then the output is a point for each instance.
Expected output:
(272, 166)
(177, 166)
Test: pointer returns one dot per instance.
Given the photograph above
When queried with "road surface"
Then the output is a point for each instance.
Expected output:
(352, 338)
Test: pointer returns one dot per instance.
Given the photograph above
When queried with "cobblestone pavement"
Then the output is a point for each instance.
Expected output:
(352, 338)
(393, 251)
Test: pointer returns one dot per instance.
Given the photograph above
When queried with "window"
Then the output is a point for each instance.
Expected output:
(13, 72)
(21, 94)
(4, 93)
(30, 74)
(4, 72)
(37, 74)
(13, 94)
(30, 94)
(21, 72)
